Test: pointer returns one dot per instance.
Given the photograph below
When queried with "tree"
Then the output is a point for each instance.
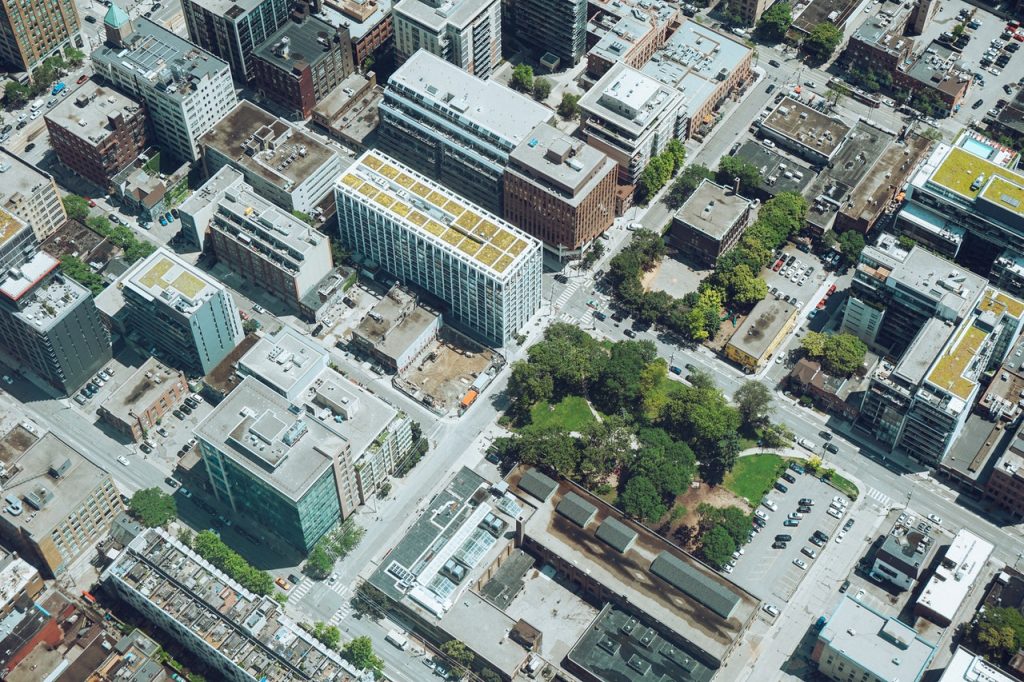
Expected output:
(851, 244)
(595, 253)
(822, 41)
(619, 384)
(733, 520)
(742, 286)
(676, 152)
(15, 94)
(458, 653)
(776, 436)
(489, 675)
(77, 270)
(667, 463)
(528, 385)
(250, 326)
(687, 181)
(839, 354)
(732, 167)
(74, 56)
(998, 632)
(522, 78)
(640, 499)
(550, 447)
(369, 601)
(152, 507)
(359, 652)
(328, 635)
(569, 107)
(958, 30)
(601, 447)
(319, 564)
(76, 207)
(754, 401)
(774, 23)
(211, 548)
(541, 89)
(717, 546)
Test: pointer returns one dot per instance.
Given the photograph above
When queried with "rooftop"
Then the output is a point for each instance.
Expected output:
(165, 277)
(888, 648)
(308, 42)
(629, 99)
(270, 147)
(438, 13)
(629, 30)
(440, 216)
(856, 161)
(559, 162)
(816, 11)
(93, 113)
(232, 9)
(778, 173)
(757, 333)
(284, 359)
(466, 99)
(47, 305)
(936, 67)
(261, 433)
(882, 33)
(353, 413)
(966, 666)
(19, 180)
(806, 127)
(946, 590)
(141, 390)
(907, 547)
(949, 286)
(15, 575)
(872, 193)
(358, 16)
(20, 281)
(713, 209)
(10, 225)
(920, 355)
(394, 322)
(251, 632)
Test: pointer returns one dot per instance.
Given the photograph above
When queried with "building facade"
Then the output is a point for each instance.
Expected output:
(32, 32)
(466, 33)
(234, 31)
(755, 341)
(150, 393)
(442, 121)
(30, 193)
(557, 27)
(98, 133)
(396, 330)
(369, 24)
(710, 222)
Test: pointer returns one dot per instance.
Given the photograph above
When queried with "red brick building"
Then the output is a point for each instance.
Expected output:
(137, 405)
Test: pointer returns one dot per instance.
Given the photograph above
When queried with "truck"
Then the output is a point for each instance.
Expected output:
(805, 444)
(57, 88)
(398, 639)
(38, 104)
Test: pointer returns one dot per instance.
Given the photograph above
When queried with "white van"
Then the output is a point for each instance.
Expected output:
(398, 639)
(38, 104)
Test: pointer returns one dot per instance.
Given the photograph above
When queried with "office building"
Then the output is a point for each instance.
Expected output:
(30, 193)
(368, 22)
(301, 63)
(185, 89)
(966, 666)
(904, 554)
(709, 223)
(270, 248)
(239, 635)
(98, 133)
(57, 504)
(628, 32)
(32, 32)
(351, 112)
(805, 131)
(560, 190)
(279, 161)
(946, 590)
(396, 330)
(276, 468)
(631, 117)
(553, 28)
(858, 643)
(234, 31)
(466, 33)
(150, 393)
(443, 122)
(487, 272)
(755, 341)
(180, 313)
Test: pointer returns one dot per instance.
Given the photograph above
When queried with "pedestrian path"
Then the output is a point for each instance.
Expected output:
(300, 590)
(341, 614)
(879, 497)
(568, 317)
(567, 293)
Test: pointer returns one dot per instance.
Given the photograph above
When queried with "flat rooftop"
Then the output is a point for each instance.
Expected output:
(889, 649)
(10, 225)
(350, 411)
(955, 575)
(256, 429)
(437, 214)
(267, 146)
(857, 159)
(304, 44)
(878, 32)
(949, 285)
(20, 280)
(141, 390)
(817, 11)
(358, 16)
(762, 326)
(166, 277)
(871, 194)
(806, 127)
(937, 68)
(90, 112)
(284, 359)
(560, 162)
(468, 100)
(712, 209)
(966, 666)
(629, 99)
(19, 178)
(439, 13)
(397, 320)
(620, 41)
(778, 173)
(47, 305)
(233, 9)
(923, 351)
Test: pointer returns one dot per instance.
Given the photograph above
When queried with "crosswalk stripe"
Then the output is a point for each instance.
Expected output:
(879, 496)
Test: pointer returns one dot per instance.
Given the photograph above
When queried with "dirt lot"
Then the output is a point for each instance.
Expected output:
(17, 441)
(76, 239)
(447, 370)
(691, 500)
(725, 332)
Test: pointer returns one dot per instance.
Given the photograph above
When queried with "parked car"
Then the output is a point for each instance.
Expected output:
(800, 563)
(796, 515)
(831, 447)
(791, 523)
(806, 502)
(81, 79)
(784, 537)
(788, 478)
(185, 409)
(771, 609)
(844, 587)
(178, 414)
(809, 552)
(781, 487)
(630, 333)
(283, 584)
(825, 434)
(778, 544)
(123, 460)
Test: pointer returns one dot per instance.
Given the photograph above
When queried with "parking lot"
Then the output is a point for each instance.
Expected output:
(800, 277)
(770, 573)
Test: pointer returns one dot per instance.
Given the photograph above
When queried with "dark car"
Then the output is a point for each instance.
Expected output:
(806, 502)
(1012, 47)
(788, 478)
(844, 587)
(774, 62)
(630, 333)
(831, 447)
(191, 403)
(1005, 35)
(599, 315)
(689, 367)
(825, 434)
(173, 482)
(770, 89)
(821, 534)
(618, 317)
(7, 129)
(186, 409)
(817, 542)
(145, 448)
(1007, 89)
(178, 414)
(294, 579)
(793, 466)
(848, 525)
(1001, 61)
(779, 545)
(781, 487)
(783, 537)
(759, 522)
(804, 509)
(90, 18)
(561, 278)
(978, 104)
(791, 260)
(22, 124)
(30, 146)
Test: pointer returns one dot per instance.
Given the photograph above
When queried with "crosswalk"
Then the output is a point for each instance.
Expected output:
(568, 317)
(879, 497)
(300, 590)
(566, 294)
(346, 607)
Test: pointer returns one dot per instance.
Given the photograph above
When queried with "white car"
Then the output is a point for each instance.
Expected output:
(198, 398)
(35, 115)
(771, 609)
(834, 513)
(839, 500)
(840, 536)
(796, 516)
(768, 143)
(22, 117)
(634, 226)
(8, 380)
(122, 459)
(770, 504)
(760, 514)
(726, 569)
(800, 563)
(258, 308)
(937, 520)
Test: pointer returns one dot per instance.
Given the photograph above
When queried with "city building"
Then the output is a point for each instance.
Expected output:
(709, 223)
(553, 27)
(780, 173)
(396, 330)
(904, 554)
(57, 504)
(631, 117)
(879, 45)
(368, 22)
(1006, 482)
(279, 161)
(230, 630)
(299, 65)
(98, 133)
(938, 71)
(442, 122)
(30, 33)
(185, 89)
(966, 666)
(351, 112)
(19, 581)
(234, 31)
(270, 248)
(629, 32)
(858, 643)
(286, 362)
(755, 341)
(487, 272)
(750, 11)
(560, 190)
(705, 67)
(149, 187)
(48, 322)
(466, 33)
(179, 313)
(1009, 122)
(275, 468)
(814, 12)
(30, 193)
(834, 394)
(922, 13)
(953, 579)
(137, 406)
(805, 131)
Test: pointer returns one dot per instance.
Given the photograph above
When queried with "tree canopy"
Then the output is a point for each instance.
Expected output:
(328, 635)
(754, 401)
(359, 652)
(687, 181)
(152, 507)
(773, 24)
(522, 78)
(851, 243)
(998, 633)
(569, 107)
(541, 89)
(732, 167)
(640, 499)
(823, 40)
(840, 354)
(210, 547)
(717, 546)
(76, 207)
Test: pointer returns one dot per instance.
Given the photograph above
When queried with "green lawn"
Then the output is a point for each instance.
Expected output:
(573, 413)
(844, 485)
(753, 476)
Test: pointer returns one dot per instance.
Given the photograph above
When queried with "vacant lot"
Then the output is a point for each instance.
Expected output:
(447, 370)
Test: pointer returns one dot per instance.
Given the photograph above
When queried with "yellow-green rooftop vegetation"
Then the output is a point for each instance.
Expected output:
(948, 372)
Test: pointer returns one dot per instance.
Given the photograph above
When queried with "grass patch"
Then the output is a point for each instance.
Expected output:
(572, 414)
(753, 476)
(845, 486)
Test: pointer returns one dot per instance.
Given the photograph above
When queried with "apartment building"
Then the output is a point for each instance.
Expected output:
(186, 90)
(32, 32)
(553, 27)
(235, 30)
(279, 161)
(98, 133)
(368, 23)
(466, 33)
(57, 504)
(560, 190)
(710, 222)
(485, 270)
(628, 32)
(904, 555)
(135, 407)
(30, 193)
(879, 44)
(755, 341)
(443, 122)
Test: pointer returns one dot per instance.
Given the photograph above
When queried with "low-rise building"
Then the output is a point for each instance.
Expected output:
(396, 330)
(57, 504)
(628, 32)
(31, 194)
(368, 22)
(805, 131)
(936, 70)
(19, 581)
(350, 113)
(966, 666)
(953, 579)
(778, 173)
(1005, 484)
(147, 188)
(879, 44)
(97, 133)
(838, 395)
(138, 405)
(279, 161)
(757, 338)
(238, 634)
(709, 223)
(858, 643)
(904, 554)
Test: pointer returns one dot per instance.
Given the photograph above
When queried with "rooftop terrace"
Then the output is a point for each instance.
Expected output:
(166, 277)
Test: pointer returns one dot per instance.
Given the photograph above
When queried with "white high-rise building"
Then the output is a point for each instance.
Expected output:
(466, 33)
(487, 271)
